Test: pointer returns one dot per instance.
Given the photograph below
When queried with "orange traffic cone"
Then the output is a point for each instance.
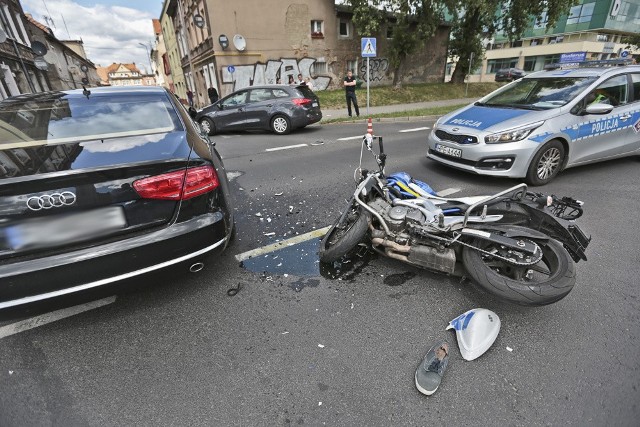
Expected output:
(370, 127)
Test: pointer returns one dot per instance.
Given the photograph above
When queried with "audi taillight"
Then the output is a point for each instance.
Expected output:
(302, 101)
(181, 185)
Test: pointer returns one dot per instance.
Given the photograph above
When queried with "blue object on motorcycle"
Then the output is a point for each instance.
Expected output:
(404, 179)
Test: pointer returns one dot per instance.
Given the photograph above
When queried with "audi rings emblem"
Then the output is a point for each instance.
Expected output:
(48, 201)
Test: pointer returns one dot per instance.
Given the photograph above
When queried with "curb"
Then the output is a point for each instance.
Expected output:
(382, 119)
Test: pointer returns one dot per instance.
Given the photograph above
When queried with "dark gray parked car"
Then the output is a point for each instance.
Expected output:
(509, 74)
(279, 108)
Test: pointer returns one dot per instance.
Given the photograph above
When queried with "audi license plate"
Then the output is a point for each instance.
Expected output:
(449, 151)
(71, 228)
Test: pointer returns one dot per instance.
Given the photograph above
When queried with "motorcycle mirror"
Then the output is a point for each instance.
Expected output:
(368, 139)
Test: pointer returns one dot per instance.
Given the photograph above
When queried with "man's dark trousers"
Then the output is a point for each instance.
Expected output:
(351, 97)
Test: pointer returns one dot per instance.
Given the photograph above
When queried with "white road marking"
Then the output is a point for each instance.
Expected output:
(350, 138)
(448, 191)
(414, 129)
(43, 319)
(283, 244)
(286, 147)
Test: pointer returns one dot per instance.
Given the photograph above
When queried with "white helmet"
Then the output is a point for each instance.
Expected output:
(476, 330)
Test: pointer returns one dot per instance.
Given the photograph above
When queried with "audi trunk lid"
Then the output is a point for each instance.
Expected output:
(70, 161)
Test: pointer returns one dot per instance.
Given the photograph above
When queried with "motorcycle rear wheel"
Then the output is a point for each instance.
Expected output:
(546, 282)
(343, 237)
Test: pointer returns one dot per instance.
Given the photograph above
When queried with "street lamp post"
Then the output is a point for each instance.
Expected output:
(148, 56)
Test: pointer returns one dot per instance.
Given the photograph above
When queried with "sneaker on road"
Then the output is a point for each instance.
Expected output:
(429, 373)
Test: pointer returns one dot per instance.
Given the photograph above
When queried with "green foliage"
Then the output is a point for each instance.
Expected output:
(632, 41)
(388, 95)
(413, 22)
(480, 19)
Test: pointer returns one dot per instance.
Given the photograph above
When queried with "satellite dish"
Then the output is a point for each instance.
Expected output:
(39, 48)
(239, 42)
(3, 36)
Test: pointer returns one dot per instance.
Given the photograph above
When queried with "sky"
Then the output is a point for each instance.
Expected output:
(111, 30)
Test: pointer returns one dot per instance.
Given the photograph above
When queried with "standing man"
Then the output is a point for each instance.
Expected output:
(300, 80)
(213, 94)
(350, 90)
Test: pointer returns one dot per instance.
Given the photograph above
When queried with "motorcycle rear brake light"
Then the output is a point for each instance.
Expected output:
(180, 185)
(301, 101)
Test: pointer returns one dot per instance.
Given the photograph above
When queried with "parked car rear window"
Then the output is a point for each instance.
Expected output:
(58, 119)
(306, 92)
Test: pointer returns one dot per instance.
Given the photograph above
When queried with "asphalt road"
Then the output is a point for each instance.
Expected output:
(302, 346)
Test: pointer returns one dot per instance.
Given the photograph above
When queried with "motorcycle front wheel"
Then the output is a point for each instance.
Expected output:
(547, 281)
(343, 236)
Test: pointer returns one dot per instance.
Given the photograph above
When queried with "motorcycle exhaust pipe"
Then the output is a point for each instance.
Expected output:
(391, 245)
(196, 267)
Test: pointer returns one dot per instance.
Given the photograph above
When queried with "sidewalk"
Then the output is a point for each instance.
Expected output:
(362, 103)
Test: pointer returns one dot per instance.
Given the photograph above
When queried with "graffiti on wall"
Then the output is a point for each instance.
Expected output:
(378, 68)
(261, 74)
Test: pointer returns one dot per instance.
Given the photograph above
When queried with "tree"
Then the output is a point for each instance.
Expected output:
(632, 41)
(413, 22)
(482, 19)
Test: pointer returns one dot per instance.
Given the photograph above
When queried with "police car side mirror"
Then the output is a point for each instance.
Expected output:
(599, 109)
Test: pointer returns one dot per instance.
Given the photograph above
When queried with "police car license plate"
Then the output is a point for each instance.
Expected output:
(449, 151)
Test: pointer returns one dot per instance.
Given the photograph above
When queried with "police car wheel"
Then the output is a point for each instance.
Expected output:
(546, 163)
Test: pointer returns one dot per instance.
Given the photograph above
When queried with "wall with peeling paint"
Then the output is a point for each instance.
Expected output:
(279, 43)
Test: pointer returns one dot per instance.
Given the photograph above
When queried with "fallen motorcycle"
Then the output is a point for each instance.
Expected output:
(518, 245)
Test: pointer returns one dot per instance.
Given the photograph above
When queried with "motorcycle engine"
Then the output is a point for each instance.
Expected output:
(397, 217)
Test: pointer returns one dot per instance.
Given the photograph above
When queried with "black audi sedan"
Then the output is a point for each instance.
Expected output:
(279, 108)
(104, 184)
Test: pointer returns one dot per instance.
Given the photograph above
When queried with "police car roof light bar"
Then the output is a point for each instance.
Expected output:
(587, 64)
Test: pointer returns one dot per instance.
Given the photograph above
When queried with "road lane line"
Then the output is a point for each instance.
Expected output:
(43, 319)
(283, 244)
(286, 147)
(414, 129)
(448, 191)
(349, 138)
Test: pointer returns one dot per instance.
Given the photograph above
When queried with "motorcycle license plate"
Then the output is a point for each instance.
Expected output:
(315, 104)
(449, 151)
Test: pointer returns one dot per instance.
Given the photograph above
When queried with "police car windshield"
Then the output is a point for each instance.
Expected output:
(538, 93)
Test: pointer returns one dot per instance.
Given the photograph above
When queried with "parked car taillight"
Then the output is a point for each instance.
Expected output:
(302, 101)
(181, 185)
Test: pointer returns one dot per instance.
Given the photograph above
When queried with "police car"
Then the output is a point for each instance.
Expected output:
(547, 121)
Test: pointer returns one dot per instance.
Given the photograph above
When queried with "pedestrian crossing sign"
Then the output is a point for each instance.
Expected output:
(368, 45)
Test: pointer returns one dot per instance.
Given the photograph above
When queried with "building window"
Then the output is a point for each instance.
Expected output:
(494, 65)
(317, 29)
(353, 66)
(542, 21)
(536, 42)
(581, 13)
(343, 29)
(319, 67)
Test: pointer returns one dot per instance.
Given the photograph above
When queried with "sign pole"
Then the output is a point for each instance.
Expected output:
(368, 86)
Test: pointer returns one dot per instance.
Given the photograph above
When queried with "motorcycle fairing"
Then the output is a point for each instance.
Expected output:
(476, 331)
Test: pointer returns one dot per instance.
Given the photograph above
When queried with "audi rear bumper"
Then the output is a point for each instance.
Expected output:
(32, 280)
